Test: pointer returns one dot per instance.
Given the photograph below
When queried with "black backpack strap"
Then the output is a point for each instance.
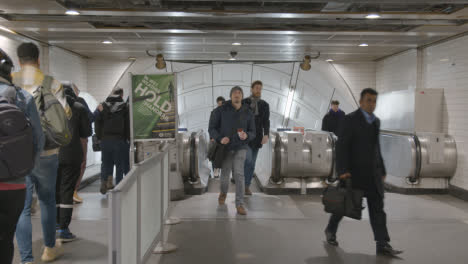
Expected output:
(9, 95)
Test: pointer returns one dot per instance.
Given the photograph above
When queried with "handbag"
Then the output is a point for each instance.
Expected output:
(96, 143)
(343, 200)
(217, 152)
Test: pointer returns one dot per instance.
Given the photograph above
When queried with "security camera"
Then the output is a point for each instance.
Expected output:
(233, 54)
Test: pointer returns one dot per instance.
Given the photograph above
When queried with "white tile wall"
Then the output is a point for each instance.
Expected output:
(397, 73)
(103, 75)
(358, 75)
(444, 66)
(66, 66)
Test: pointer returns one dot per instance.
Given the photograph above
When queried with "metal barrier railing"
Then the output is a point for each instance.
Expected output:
(137, 211)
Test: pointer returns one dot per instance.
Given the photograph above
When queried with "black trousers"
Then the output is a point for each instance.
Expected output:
(11, 206)
(377, 215)
(67, 176)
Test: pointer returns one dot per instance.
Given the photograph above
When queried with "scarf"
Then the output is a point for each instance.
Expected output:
(254, 104)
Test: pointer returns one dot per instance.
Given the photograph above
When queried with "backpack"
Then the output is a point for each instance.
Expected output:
(114, 121)
(16, 139)
(54, 121)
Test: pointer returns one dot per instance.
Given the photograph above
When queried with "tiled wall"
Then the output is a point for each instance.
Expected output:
(103, 75)
(397, 73)
(443, 66)
(66, 66)
(358, 75)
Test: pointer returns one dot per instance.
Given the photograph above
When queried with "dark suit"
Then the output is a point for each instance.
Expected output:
(358, 152)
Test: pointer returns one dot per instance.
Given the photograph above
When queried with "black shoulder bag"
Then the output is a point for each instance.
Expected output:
(217, 151)
(343, 200)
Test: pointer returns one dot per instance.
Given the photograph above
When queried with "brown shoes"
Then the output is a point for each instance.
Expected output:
(222, 198)
(241, 210)
(248, 191)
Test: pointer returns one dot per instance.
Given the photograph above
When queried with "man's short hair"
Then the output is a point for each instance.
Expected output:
(368, 91)
(28, 52)
(118, 91)
(236, 88)
(220, 98)
(256, 83)
(335, 102)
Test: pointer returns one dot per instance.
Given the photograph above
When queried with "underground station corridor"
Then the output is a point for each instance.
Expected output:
(237, 132)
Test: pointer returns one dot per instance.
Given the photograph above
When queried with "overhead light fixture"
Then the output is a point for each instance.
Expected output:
(363, 45)
(72, 13)
(232, 59)
(7, 30)
(444, 60)
(160, 62)
(106, 42)
(373, 16)
(236, 44)
(329, 60)
(131, 58)
(305, 65)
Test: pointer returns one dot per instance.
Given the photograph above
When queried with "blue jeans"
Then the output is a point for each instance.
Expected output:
(114, 152)
(249, 167)
(43, 177)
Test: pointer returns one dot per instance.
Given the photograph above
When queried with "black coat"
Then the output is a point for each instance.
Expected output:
(332, 120)
(358, 152)
(224, 122)
(262, 122)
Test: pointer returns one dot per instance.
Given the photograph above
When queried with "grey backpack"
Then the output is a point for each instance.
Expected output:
(16, 139)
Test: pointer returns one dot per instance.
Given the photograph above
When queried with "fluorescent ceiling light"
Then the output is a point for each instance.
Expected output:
(72, 13)
(7, 30)
(364, 45)
(373, 16)
(232, 59)
(106, 42)
(444, 60)
(236, 44)
(131, 58)
(329, 60)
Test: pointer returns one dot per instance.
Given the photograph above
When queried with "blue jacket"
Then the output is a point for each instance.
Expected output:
(26, 103)
(224, 122)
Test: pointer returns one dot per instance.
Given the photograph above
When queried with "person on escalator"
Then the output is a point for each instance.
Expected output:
(219, 102)
(233, 125)
(333, 118)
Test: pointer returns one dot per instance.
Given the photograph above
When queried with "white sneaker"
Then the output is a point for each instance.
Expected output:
(51, 254)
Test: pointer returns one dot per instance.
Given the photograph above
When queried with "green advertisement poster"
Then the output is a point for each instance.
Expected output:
(153, 106)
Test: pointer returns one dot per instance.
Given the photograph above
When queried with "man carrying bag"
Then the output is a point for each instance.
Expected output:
(358, 158)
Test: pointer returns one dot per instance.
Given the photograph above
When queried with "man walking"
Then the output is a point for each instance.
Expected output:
(113, 129)
(44, 175)
(333, 118)
(359, 158)
(261, 112)
(232, 125)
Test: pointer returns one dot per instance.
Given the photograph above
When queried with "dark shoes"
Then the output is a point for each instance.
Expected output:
(331, 238)
(387, 250)
(103, 188)
(248, 191)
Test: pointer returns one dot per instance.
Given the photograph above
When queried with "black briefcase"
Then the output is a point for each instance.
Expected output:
(96, 143)
(216, 154)
(343, 200)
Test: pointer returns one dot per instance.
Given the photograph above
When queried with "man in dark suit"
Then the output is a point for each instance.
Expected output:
(358, 157)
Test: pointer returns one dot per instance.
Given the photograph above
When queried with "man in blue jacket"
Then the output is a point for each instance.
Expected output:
(233, 125)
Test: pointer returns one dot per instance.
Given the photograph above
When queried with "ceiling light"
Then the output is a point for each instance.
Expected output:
(7, 30)
(373, 16)
(363, 45)
(72, 13)
(236, 44)
(444, 60)
(106, 42)
(232, 59)
(131, 58)
(329, 60)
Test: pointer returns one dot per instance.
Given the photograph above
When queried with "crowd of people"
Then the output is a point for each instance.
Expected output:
(44, 135)
(242, 126)
(45, 129)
